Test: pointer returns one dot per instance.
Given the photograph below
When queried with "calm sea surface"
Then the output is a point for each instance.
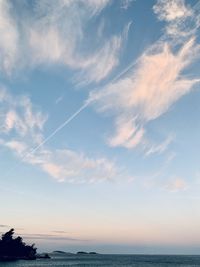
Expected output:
(110, 260)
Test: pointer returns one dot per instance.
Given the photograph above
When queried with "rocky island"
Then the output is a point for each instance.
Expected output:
(86, 253)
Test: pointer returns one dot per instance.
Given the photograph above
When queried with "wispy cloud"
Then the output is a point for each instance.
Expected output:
(19, 117)
(73, 167)
(51, 237)
(9, 38)
(4, 226)
(159, 148)
(59, 232)
(154, 84)
(181, 19)
(170, 10)
(22, 131)
(176, 184)
(148, 91)
(59, 99)
(55, 33)
(105, 59)
(127, 134)
(125, 4)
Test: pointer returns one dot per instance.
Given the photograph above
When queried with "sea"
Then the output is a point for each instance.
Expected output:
(109, 260)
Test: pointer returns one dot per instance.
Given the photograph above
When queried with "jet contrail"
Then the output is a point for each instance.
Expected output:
(86, 104)
(52, 134)
(196, 7)
(73, 116)
(58, 129)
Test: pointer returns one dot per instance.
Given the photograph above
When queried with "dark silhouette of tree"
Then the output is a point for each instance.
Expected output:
(15, 248)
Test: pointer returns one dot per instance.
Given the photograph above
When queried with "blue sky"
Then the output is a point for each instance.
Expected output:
(99, 124)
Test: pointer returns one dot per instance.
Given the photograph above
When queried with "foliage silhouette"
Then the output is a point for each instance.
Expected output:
(14, 248)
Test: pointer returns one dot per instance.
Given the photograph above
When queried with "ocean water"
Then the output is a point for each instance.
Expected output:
(110, 260)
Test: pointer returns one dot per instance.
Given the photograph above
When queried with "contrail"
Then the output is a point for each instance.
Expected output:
(51, 135)
(124, 71)
(196, 7)
(58, 129)
(73, 116)
(86, 104)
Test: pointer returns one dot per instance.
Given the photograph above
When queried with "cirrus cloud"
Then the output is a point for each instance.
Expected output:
(22, 131)
(55, 33)
(170, 10)
(148, 91)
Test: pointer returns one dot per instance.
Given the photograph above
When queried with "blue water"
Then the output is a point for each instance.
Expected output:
(110, 260)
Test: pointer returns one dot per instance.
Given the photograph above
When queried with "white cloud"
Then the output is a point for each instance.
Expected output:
(127, 134)
(59, 99)
(160, 148)
(182, 20)
(22, 131)
(67, 165)
(173, 184)
(9, 38)
(148, 91)
(170, 10)
(19, 147)
(55, 32)
(176, 185)
(47, 48)
(125, 4)
(51, 48)
(19, 117)
(98, 66)
(96, 5)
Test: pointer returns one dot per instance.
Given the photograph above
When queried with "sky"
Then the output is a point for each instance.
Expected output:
(99, 124)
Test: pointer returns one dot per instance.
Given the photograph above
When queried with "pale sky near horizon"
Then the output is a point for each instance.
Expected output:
(99, 124)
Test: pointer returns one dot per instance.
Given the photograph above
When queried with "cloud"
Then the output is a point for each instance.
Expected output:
(93, 67)
(170, 10)
(176, 185)
(148, 91)
(67, 165)
(103, 61)
(59, 232)
(59, 99)
(181, 19)
(160, 148)
(4, 226)
(19, 117)
(16, 146)
(50, 237)
(9, 38)
(38, 236)
(127, 134)
(56, 33)
(125, 4)
(22, 131)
